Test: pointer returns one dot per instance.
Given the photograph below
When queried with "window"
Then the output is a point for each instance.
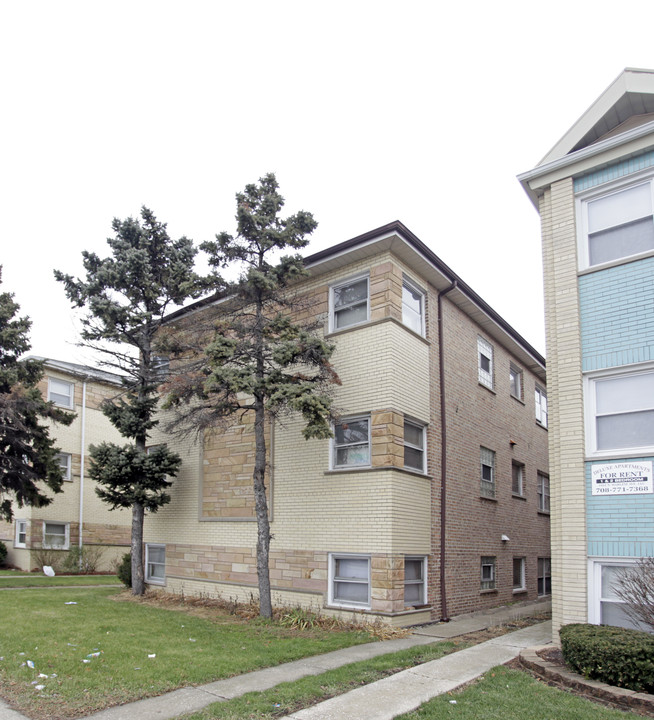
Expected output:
(488, 573)
(155, 563)
(351, 443)
(618, 225)
(56, 535)
(543, 493)
(515, 381)
(349, 303)
(349, 580)
(414, 581)
(541, 406)
(60, 392)
(20, 541)
(620, 413)
(518, 479)
(519, 584)
(485, 358)
(487, 473)
(413, 302)
(160, 368)
(414, 446)
(604, 606)
(544, 577)
(64, 462)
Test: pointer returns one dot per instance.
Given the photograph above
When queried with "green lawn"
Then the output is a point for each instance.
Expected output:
(13, 579)
(505, 694)
(99, 652)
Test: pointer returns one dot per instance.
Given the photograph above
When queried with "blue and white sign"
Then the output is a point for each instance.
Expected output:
(623, 478)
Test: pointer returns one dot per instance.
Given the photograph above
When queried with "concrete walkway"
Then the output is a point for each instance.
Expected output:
(397, 694)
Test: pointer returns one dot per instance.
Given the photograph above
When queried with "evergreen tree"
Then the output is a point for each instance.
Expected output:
(260, 359)
(126, 297)
(28, 455)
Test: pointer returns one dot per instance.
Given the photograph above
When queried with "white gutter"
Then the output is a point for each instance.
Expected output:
(81, 472)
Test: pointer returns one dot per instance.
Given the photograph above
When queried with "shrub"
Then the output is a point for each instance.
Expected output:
(3, 553)
(47, 556)
(635, 586)
(617, 656)
(124, 570)
(84, 560)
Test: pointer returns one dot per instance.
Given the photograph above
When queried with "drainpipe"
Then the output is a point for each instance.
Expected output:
(441, 374)
(81, 472)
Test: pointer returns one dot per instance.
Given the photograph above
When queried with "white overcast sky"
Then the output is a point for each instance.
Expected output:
(368, 112)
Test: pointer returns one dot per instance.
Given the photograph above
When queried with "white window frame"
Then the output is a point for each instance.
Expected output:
(422, 581)
(489, 583)
(412, 287)
(542, 576)
(543, 492)
(333, 579)
(333, 311)
(582, 202)
(522, 586)
(52, 391)
(17, 541)
(485, 349)
(66, 464)
(149, 577)
(520, 492)
(595, 597)
(540, 402)
(518, 391)
(422, 448)
(487, 488)
(590, 404)
(335, 446)
(66, 535)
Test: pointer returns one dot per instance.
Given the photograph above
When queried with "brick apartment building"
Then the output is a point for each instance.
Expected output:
(595, 194)
(433, 497)
(76, 515)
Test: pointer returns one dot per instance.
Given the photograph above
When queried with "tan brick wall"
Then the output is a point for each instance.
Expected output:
(565, 396)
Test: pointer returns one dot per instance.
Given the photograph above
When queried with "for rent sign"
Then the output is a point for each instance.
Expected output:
(626, 478)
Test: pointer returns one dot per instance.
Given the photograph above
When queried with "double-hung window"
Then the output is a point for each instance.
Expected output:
(349, 303)
(56, 535)
(515, 381)
(414, 446)
(487, 573)
(155, 563)
(485, 362)
(540, 398)
(64, 462)
(487, 473)
(60, 392)
(617, 225)
(519, 583)
(415, 585)
(413, 307)
(349, 580)
(620, 413)
(351, 442)
(543, 490)
(518, 479)
(20, 540)
(544, 576)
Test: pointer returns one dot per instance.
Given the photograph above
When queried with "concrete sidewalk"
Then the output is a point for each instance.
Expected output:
(191, 699)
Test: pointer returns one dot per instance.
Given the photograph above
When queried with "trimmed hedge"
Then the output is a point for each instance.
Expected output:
(3, 553)
(617, 656)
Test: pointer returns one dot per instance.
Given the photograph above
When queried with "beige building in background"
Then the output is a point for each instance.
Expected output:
(76, 516)
(433, 497)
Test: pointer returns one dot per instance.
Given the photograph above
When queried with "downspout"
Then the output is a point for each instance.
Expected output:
(81, 472)
(441, 375)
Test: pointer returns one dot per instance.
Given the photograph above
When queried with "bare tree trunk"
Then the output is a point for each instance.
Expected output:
(138, 584)
(261, 505)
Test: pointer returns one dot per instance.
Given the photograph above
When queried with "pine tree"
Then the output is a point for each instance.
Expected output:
(28, 455)
(126, 297)
(260, 359)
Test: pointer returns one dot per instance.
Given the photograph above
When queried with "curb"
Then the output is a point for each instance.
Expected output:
(553, 672)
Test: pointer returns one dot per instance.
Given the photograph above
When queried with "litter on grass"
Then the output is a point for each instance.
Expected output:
(86, 661)
(30, 664)
(47, 570)
(71, 602)
(154, 655)
(40, 687)
(94, 654)
(452, 702)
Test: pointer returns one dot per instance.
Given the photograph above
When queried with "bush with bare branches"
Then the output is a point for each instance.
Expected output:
(635, 587)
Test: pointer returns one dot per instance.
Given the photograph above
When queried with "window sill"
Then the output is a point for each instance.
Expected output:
(491, 591)
(373, 468)
(540, 425)
(519, 591)
(613, 263)
(490, 390)
(545, 513)
(334, 606)
(371, 323)
(518, 496)
(517, 399)
(487, 497)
